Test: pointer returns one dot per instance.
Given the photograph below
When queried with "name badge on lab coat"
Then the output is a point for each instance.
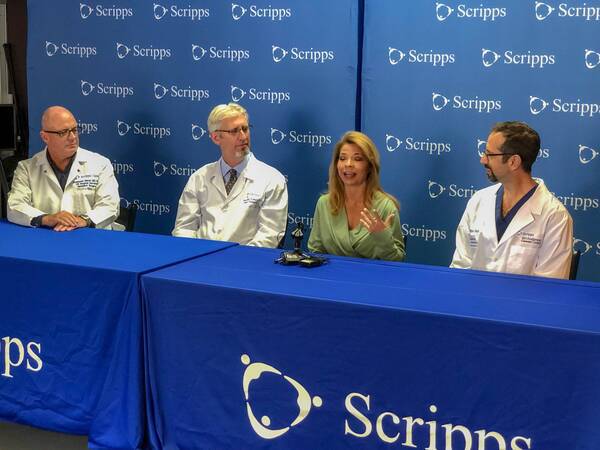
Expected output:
(527, 239)
(252, 198)
(87, 182)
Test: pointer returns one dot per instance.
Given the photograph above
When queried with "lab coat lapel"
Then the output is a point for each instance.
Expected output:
(247, 176)
(525, 215)
(77, 168)
(217, 180)
(44, 166)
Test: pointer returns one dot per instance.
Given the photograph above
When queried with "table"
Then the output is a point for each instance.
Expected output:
(243, 353)
(71, 328)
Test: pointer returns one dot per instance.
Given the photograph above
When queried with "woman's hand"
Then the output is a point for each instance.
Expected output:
(373, 223)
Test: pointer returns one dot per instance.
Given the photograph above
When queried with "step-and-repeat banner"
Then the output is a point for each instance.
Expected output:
(438, 75)
(141, 78)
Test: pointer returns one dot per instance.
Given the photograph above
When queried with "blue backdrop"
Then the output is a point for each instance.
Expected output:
(432, 78)
(437, 76)
(142, 77)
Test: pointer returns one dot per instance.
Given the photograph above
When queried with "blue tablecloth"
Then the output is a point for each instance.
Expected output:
(71, 328)
(243, 353)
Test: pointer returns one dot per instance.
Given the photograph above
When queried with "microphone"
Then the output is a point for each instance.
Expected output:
(298, 235)
(297, 256)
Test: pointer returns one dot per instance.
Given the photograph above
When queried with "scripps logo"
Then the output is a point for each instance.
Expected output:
(296, 137)
(413, 56)
(364, 419)
(295, 54)
(481, 146)
(587, 154)
(543, 10)
(585, 247)
(149, 207)
(174, 91)
(88, 88)
(439, 102)
(436, 189)
(123, 128)
(577, 202)
(16, 352)
(533, 60)
(87, 128)
(122, 168)
(558, 105)
(197, 132)
(252, 374)
(392, 143)
(64, 48)
(443, 12)
(259, 95)
(86, 11)
(161, 169)
(425, 233)
(137, 50)
(592, 59)
(274, 14)
(305, 219)
(225, 54)
(195, 14)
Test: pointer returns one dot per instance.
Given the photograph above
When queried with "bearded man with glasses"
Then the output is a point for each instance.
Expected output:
(516, 225)
(64, 186)
(237, 198)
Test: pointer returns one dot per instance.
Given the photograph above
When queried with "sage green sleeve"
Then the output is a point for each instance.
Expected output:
(315, 241)
(389, 243)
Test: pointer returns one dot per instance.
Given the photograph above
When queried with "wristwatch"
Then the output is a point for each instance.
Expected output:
(88, 221)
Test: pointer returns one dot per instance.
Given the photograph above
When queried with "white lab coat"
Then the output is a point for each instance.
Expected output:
(91, 190)
(254, 213)
(538, 240)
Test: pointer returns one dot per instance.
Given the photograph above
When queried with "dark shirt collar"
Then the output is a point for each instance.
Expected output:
(502, 223)
(61, 175)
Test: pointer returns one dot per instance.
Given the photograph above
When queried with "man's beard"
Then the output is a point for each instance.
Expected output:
(491, 175)
(242, 151)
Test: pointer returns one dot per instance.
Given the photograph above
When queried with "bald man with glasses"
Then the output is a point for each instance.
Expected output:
(237, 198)
(63, 187)
(516, 225)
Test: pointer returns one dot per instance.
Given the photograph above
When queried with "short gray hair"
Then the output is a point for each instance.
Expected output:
(221, 112)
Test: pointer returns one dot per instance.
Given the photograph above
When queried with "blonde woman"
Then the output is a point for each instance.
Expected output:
(357, 217)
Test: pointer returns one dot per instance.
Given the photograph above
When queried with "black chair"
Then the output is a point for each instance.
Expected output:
(282, 240)
(3, 192)
(574, 265)
(127, 216)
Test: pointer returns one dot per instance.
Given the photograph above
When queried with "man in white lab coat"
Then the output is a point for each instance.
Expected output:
(237, 198)
(516, 225)
(63, 187)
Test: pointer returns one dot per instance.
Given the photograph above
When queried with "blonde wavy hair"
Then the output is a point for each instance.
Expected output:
(336, 186)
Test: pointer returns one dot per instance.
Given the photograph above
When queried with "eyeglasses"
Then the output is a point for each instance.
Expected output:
(489, 155)
(65, 132)
(235, 131)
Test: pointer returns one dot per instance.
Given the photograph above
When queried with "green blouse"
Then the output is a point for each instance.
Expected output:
(330, 234)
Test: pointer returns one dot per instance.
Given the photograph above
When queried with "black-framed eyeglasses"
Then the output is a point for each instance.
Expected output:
(235, 131)
(489, 155)
(62, 133)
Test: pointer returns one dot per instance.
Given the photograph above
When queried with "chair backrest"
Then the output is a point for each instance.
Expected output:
(127, 216)
(3, 192)
(282, 240)
(574, 265)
